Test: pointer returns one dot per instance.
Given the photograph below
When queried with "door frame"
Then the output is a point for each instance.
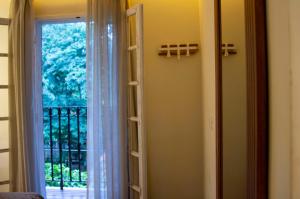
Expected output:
(39, 22)
(257, 99)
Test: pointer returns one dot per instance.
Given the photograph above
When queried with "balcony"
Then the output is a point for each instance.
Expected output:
(66, 193)
(65, 151)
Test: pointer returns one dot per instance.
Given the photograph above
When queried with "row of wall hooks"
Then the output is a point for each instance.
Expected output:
(178, 50)
(228, 49)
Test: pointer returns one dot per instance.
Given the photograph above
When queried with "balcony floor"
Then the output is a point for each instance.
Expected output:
(67, 193)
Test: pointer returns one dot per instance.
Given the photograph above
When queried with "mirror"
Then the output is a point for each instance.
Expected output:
(179, 100)
(234, 102)
(172, 98)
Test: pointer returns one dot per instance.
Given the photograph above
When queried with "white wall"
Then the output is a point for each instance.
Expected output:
(284, 63)
(280, 99)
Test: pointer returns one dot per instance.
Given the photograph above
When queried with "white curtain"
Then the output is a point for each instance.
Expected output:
(26, 139)
(106, 78)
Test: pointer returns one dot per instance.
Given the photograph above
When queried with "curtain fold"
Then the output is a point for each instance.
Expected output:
(107, 88)
(26, 139)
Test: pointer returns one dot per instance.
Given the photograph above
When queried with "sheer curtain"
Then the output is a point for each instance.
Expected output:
(107, 84)
(26, 139)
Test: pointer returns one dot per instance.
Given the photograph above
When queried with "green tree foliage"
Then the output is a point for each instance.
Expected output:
(66, 174)
(64, 64)
(64, 85)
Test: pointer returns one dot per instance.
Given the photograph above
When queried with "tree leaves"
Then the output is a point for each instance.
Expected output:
(64, 84)
(64, 64)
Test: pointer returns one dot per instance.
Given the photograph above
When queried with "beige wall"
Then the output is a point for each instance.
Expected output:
(284, 62)
(234, 101)
(59, 8)
(173, 102)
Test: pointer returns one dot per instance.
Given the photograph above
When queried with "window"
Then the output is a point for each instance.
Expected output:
(63, 62)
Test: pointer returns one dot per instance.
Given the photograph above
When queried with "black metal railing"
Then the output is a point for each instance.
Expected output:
(65, 146)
